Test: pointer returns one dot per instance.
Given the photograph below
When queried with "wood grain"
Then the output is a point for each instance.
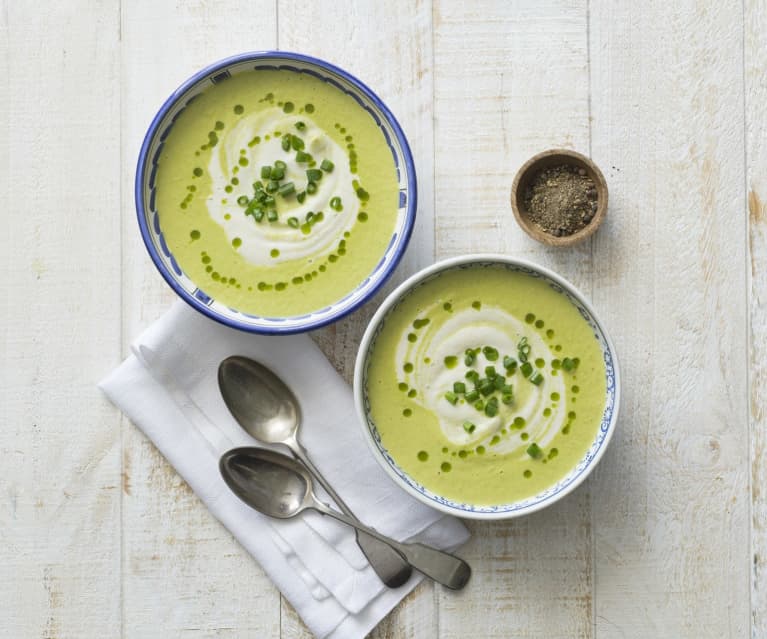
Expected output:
(755, 77)
(671, 517)
(60, 247)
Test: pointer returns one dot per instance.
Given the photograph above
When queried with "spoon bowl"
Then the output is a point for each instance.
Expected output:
(269, 482)
(259, 400)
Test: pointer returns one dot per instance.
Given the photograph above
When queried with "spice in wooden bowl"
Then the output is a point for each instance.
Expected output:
(559, 197)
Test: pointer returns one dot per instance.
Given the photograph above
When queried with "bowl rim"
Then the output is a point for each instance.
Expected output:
(142, 175)
(395, 296)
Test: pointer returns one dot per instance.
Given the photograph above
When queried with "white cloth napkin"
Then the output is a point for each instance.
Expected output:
(168, 388)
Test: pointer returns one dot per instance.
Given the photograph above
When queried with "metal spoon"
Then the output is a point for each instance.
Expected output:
(280, 486)
(269, 411)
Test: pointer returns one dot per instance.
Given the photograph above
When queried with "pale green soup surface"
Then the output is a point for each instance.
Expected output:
(486, 385)
(276, 192)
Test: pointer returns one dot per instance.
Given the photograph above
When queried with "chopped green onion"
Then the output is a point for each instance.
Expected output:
(301, 197)
(490, 353)
(313, 175)
(286, 143)
(301, 126)
(310, 216)
(509, 362)
(303, 157)
(242, 200)
(258, 215)
(277, 174)
(258, 185)
(311, 188)
(486, 387)
(459, 388)
(527, 369)
(272, 186)
(534, 450)
(326, 165)
(499, 381)
(280, 164)
(537, 379)
(451, 397)
(472, 376)
(266, 172)
(479, 404)
(491, 409)
(293, 221)
(472, 396)
(567, 364)
(507, 389)
(271, 215)
(335, 204)
(296, 142)
(287, 189)
(507, 398)
(490, 372)
(469, 427)
(470, 356)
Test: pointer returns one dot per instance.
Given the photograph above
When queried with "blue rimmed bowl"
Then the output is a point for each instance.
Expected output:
(496, 511)
(149, 219)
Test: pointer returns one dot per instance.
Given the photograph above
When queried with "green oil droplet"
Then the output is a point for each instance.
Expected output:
(451, 361)
(539, 324)
(547, 412)
(236, 242)
(412, 393)
(540, 363)
(550, 333)
(274, 253)
(571, 414)
(524, 437)
(476, 305)
(407, 412)
(480, 450)
(446, 467)
(576, 389)
(528, 474)
(423, 455)
(555, 397)
(412, 337)
(463, 454)
(408, 367)
(448, 307)
(519, 422)
(238, 109)
(194, 234)
(197, 171)
(529, 318)
(403, 386)
(309, 108)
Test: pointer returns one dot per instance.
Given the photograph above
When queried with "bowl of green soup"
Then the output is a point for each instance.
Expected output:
(487, 387)
(275, 192)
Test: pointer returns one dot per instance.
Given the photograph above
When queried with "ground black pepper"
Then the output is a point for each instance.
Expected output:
(561, 199)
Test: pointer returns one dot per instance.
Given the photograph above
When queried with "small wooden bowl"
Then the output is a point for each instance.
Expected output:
(545, 160)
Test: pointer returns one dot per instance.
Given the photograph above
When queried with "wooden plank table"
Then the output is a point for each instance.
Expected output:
(100, 538)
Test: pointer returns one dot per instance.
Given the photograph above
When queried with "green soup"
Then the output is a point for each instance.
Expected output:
(276, 192)
(486, 385)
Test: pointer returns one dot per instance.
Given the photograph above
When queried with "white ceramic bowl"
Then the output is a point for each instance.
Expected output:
(149, 219)
(498, 511)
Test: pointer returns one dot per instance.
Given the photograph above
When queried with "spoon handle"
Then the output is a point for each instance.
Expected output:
(442, 567)
(386, 561)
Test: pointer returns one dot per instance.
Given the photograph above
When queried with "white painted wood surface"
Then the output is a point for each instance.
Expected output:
(99, 537)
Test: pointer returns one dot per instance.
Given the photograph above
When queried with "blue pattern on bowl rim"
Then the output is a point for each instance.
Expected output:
(584, 466)
(148, 217)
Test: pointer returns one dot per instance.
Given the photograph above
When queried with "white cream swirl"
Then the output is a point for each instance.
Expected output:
(257, 240)
(472, 329)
